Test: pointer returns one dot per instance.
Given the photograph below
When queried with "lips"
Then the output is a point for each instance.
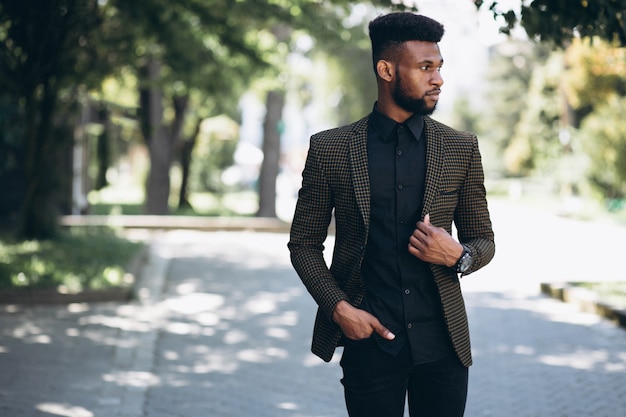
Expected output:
(433, 95)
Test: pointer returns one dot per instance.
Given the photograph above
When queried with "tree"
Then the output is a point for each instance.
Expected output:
(344, 46)
(53, 51)
(196, 45)
(350, 77)
(535, 142)
(183, 48)
(595, 71)
(596, 91)
(559, 21)
(603, 135)
(510, 71)
(272, 129)
(578, 87)
(48, 48)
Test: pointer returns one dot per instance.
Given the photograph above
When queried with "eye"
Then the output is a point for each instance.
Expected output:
(430, 68)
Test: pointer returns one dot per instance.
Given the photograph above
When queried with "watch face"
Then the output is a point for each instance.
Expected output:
(465, 263)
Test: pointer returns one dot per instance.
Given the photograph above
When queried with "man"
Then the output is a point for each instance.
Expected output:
(395, 181)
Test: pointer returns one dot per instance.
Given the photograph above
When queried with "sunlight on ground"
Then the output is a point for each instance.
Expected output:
(583, 360)
(123, 323)
(67, 410)
(132, 378)
(192, 304)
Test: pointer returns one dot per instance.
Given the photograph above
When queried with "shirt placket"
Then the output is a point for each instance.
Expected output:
(403, 136)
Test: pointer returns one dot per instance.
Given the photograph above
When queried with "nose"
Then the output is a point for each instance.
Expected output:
(437, 79)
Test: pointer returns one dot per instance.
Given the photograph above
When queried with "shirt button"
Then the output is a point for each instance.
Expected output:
(407, 291)
(400, 186)
(409, 325)
(399, 152)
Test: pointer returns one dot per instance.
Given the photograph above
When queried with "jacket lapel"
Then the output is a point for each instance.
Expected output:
(358, 165)
(434, 156)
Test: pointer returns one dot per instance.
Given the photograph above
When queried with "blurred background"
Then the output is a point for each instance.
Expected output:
(205, 107)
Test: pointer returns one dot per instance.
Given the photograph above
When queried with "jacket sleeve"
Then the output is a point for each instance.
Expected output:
(472, 218)
(309, 231)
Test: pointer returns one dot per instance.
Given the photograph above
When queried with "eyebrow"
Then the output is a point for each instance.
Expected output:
(430, 61)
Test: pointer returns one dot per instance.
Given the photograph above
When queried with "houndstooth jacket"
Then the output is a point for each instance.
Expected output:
(335, 181)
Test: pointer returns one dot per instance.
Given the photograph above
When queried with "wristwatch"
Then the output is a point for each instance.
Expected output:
(464, 262)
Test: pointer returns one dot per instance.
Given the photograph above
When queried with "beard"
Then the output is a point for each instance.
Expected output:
(411, 104)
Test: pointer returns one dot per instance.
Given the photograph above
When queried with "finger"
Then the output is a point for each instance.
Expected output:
(383, 331)
(421, 229)
(414, 241)
(427, 219)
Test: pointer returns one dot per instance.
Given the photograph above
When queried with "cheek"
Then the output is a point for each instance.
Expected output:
(418, 84)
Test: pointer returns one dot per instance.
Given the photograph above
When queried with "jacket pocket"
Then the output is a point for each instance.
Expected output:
(449, 192)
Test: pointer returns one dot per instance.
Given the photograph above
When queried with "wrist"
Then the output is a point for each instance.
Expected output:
(458, 254)
(340, 309)
(464, 262)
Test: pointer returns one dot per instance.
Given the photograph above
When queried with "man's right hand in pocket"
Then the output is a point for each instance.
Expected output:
(358, 324)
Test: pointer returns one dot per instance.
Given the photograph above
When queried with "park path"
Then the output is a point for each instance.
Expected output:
(223, 326)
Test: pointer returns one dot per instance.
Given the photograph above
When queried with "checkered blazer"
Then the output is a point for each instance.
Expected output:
(335, 181)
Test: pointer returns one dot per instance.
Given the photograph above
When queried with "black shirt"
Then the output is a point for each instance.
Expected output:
(400, 288)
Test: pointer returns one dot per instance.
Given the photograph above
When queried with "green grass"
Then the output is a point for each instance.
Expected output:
(80, 259)
(112, 201)
(96, 258)
(611, 293)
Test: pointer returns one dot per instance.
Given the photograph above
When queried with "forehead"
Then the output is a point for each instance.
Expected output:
(420, 51)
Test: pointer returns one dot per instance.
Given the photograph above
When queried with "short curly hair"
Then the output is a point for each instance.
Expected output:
(388, 32)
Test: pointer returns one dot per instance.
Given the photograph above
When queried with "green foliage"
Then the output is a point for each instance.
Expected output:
(603, 135)
(596, 70)
(595, 87)
(582, 86)
(559, 21)
(465, 117)
(48, 44)
(209, 51)
(47, 50)
(83, 259)
(349, 80)
(510, 70)
(202, 44)
(535, 143)
(213, 153)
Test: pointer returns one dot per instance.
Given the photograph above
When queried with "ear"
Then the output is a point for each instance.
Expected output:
(385, 70)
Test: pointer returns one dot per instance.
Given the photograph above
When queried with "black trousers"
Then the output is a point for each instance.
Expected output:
(376, 383)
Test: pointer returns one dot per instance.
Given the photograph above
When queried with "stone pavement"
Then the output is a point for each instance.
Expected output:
(223, 325)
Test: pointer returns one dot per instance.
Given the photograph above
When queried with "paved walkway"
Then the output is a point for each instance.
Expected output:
(223, 330)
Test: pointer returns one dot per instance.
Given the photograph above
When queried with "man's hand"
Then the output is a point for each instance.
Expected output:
(434, 245)
(358, 324)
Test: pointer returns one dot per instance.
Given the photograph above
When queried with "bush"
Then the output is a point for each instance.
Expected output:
(80, 259)
(603, 134)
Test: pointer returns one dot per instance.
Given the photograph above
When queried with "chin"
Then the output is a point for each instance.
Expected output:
(427, 111)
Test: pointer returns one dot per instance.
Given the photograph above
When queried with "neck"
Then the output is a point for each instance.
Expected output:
(390, 109)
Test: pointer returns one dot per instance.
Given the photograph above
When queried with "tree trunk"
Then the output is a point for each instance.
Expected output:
(158, 142)
(103, 149)
(271, 154)
(40, 211)
(186, 151)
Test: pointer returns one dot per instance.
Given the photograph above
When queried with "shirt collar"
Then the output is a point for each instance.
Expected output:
(384, 126)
